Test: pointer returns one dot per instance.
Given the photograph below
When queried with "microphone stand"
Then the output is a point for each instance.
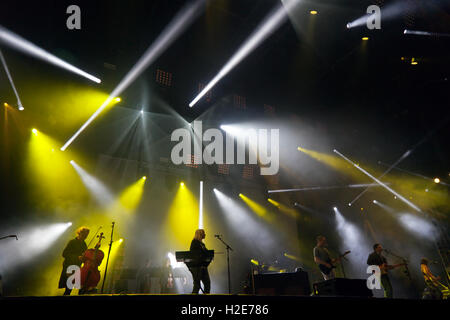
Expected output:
(228, 261)
(107, 259)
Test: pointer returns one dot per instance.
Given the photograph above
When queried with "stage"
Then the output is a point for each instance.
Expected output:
(273, 148)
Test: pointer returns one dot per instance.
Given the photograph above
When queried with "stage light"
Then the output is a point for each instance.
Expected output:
(269, 25)
(425, 33)
(349, 204)
(334, 208)
(313, 12)
(121, 240)
(385, 207)
(351, 237)
(256, 207)
(437, 180)
(35, 132)
(365, 38)
(183, 216)
(98, 190)
(418, 226)
(362, 185)
(6, 105)
(33, 242)
(414, 63)
(200, 207)
(255, 262)
(412, 205)
(170, 33)
(388, 12)
(284, 209)
(115, 246)
(5, 66)
(292, 257)
(16, 42)
(132, 195)
(182, 184)
(117, 99)
(238, 215)
(142, 112)
(69, 223)
(144, 177)
(375, 201)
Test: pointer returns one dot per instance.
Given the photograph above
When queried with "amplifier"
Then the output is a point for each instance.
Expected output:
(343, 287)
(292, 283)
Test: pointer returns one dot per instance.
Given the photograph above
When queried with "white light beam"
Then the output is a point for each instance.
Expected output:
(19, 103)
(409, 203)
(17, 42)
(178, 24)
(271, 23)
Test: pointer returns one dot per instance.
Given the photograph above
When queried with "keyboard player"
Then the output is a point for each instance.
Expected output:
(197, 267)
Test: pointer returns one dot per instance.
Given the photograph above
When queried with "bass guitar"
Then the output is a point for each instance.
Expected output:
(326, 270)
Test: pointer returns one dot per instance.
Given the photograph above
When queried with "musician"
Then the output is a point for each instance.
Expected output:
(73, 255)
(322, 257)
(431, 281)
(199, 271)
(377, 259)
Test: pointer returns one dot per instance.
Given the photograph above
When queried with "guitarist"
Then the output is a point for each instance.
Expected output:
(377, 259)
(323, 260)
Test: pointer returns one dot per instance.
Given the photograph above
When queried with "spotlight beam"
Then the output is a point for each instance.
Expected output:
(389, 12)
(404, 156)
(200, 207)
(412, 173)
(17, 42)
(363, 185)
(176, 27)
(426, 33)
(269, 25)
(19, 103)
(409, 203)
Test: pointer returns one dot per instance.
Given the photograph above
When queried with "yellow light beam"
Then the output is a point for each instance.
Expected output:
(131, 196)
(183, 216)
(257, 208)
(284, 209)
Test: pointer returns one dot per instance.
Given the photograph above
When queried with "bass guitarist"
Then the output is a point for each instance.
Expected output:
(377, 259)
(323, 260)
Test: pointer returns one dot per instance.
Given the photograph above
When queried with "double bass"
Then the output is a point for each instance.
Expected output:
(89, 273)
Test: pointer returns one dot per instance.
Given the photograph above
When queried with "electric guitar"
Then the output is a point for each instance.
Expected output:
(385, 267)
(325, 270)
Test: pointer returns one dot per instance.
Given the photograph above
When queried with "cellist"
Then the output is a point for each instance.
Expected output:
(73, 255)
